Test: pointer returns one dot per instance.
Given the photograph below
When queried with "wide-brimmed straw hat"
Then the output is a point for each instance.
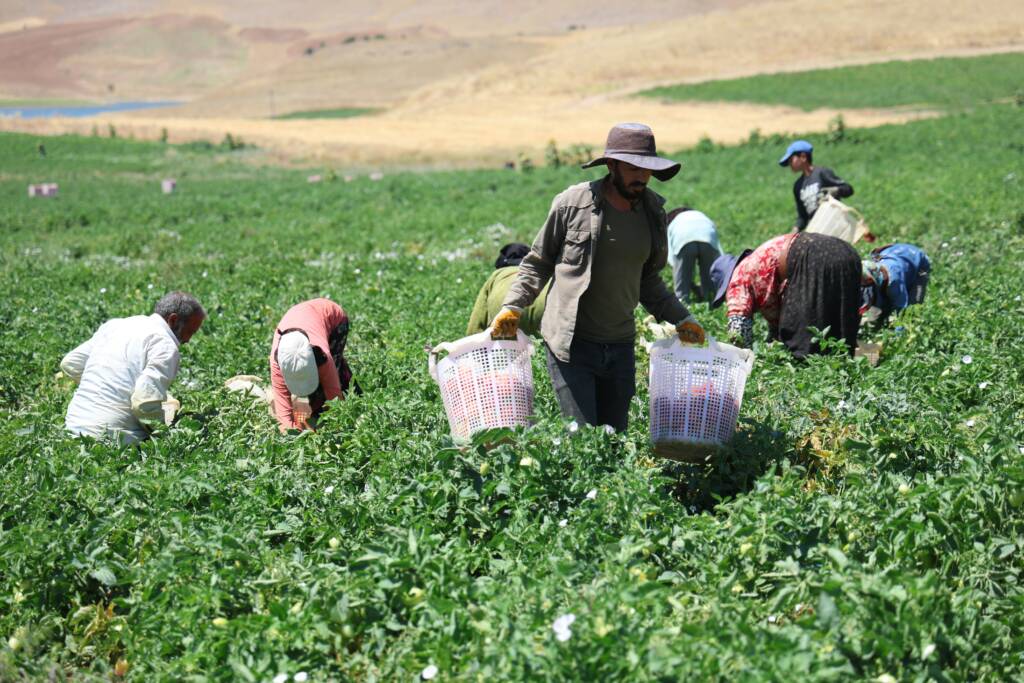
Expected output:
(721, 273)
(634, 144)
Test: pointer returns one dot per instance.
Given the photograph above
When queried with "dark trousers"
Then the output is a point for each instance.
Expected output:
(691, 256)
(597, 384)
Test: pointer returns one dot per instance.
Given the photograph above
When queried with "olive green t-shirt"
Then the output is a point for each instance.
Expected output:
(606, 309)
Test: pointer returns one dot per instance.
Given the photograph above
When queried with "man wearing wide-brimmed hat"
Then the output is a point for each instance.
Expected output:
(602, 247)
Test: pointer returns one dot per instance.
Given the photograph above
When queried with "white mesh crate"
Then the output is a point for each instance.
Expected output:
(695, 396)
(484, 383)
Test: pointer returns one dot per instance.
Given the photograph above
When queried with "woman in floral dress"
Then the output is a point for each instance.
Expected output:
(797, 281)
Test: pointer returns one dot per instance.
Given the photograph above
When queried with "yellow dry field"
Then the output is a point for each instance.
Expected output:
(480, 99)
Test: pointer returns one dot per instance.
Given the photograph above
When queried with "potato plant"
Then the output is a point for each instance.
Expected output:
(865, 523)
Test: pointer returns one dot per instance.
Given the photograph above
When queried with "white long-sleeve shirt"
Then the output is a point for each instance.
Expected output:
(123, 373)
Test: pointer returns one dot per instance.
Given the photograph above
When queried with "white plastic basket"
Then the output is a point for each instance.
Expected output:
(484, 383)
(838, 220)
(695, 396)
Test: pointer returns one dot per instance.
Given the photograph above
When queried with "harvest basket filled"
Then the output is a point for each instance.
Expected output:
(695, 396)
(484, 383)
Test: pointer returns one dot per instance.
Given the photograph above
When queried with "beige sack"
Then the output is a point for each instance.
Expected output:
(838, 220)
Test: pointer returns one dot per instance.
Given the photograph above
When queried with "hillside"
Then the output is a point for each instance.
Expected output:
(461, 86)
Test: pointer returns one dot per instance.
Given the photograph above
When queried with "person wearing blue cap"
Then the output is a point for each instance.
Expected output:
(814, 183)
(895, 277)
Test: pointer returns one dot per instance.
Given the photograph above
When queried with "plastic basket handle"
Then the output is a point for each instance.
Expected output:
(746, 356)
(477, 340)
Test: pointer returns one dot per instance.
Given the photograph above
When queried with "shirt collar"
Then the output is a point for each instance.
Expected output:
(165, 327)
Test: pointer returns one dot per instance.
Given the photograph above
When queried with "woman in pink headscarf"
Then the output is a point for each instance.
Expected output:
(307, 359)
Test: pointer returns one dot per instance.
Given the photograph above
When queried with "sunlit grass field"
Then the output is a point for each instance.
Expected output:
(865, 524)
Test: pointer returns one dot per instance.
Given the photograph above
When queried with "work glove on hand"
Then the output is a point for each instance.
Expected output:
(690, 331)
(506, 323)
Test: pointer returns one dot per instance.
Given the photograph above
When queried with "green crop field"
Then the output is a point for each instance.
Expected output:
(865, 524)
(947, 82)
(342, 113)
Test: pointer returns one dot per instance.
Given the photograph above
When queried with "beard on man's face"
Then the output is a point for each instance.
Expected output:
(630, 192)
(178, 329)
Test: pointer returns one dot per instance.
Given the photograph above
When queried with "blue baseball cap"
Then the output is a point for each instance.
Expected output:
(795, 148)
(721, 273)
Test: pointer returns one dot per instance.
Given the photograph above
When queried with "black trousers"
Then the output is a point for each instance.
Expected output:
(597, 384)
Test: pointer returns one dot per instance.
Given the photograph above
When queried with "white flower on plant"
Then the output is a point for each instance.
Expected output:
(556, 441)
(328, 490)
(945, 245)
(592, 494)
(563, 522)
(358, 271)
(300, 677)
(527, 462)
(772, 618)
(204, 273)
(103, 290)
(280, 678)
(928, 650)
(562, 627)
(429, 672)
(983, 385)
(966, 360)
(608, 429)
(970, 423)
(573, 427)
(458, 280)
(149, 286)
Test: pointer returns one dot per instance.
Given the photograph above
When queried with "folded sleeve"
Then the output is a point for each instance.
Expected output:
(830, 179)
(161, 367)
(73, 364)
(536, 268)
(282, 399)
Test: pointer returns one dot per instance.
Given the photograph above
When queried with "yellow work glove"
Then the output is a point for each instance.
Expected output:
(506, 323)
(690, 331)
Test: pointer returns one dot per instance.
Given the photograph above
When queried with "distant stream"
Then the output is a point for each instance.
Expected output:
(79, 111)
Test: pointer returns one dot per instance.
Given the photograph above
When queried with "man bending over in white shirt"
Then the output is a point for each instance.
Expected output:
(124, 370)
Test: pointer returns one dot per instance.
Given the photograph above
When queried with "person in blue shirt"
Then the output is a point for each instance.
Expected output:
(895, 277)
(692, 241)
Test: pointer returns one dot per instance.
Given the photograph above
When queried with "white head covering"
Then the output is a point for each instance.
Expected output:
(298, 366)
